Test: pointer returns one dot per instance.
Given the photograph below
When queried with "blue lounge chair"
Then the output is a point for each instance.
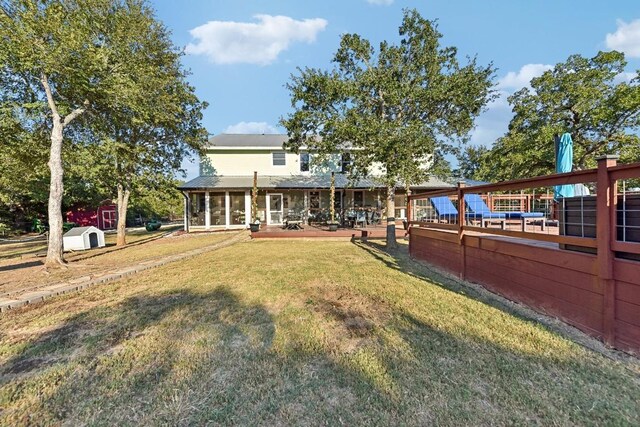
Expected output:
(476, 205)
(445, 210)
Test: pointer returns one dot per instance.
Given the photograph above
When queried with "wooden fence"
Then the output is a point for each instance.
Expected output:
(597, 292)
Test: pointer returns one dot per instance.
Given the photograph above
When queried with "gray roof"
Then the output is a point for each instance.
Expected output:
(248, 140)
(297, 181)
(79, 231)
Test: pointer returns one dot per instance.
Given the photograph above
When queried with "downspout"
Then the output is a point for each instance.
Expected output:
(187, 204)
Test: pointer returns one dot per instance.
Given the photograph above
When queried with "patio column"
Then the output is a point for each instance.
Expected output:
(207, 211)
(186, 211)
(247, 207)
(227, 209)
(306, 206)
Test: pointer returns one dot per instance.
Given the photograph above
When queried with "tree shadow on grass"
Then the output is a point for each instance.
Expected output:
(21, 265)
(110, 356)
(195, 358)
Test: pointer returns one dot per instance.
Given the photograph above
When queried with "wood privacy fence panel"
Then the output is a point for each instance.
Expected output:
(599, 293)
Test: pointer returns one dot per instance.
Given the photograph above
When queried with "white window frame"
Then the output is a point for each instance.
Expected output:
(284, 154)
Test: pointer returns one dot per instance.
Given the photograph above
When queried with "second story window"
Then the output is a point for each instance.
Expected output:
(279, 158)
(304, 162)
(346, 163)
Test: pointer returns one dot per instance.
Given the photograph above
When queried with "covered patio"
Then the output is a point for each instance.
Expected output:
(224, 202)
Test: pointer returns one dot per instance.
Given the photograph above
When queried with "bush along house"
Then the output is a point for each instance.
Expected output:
(289, 184)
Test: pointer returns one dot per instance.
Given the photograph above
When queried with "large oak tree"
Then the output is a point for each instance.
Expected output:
(582, 96)
(393, 106)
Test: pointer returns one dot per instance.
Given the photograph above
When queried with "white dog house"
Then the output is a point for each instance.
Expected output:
(81, 238)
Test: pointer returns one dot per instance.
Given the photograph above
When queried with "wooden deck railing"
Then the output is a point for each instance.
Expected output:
(613, 299)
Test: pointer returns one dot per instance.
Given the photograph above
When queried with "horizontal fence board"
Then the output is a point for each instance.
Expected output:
(435, 234)
(530, 265)
(626, 271)
(434, 225)
(567, 240)
(577, 177)
(628, 171)
(628, 292)
(566, 259)
(629, 247)
(443, 245)
(580, 297)
(628, 312)
(627, 336)
(570, 313)
(449, 263)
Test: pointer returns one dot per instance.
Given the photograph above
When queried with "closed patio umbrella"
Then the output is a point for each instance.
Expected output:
(564, 163)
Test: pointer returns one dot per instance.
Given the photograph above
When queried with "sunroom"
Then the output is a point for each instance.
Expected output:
(224, 202)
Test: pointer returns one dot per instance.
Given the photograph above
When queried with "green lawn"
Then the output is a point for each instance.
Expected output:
(298, 332)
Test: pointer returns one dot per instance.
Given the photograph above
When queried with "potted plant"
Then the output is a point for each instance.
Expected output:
(153, 225)
(254, 225)
(333, 225)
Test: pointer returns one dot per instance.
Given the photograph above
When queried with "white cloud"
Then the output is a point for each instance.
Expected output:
(380, 2)
(228, 42)
(626, 38)
(518, 80)
(251, 127)
(624, 77)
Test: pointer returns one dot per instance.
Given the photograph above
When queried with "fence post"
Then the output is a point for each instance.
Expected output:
(461, 219)
(606, 201)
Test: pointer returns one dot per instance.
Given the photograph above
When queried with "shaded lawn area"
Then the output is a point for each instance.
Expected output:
(19, 274)
(32, 247)
(297, 332)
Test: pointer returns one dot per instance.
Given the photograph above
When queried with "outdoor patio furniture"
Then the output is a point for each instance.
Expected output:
(361, 218)
(374, 219)
(477, 205)
(445, 210)
(293, 222)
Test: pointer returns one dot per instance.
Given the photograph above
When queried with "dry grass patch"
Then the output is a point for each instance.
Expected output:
(21, 274)
(291, 332)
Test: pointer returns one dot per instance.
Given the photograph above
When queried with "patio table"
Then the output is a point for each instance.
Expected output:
(293, 225)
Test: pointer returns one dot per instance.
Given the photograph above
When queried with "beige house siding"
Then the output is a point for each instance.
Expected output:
(244, 162)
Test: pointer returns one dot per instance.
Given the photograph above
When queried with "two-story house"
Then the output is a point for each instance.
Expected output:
(287, 182)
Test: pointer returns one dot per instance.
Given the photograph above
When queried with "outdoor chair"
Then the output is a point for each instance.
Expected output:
(476, 205)
(375, 218)
(361, 218)
(445, 210)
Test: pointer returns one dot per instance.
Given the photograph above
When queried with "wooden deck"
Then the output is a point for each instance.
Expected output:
(313, 231)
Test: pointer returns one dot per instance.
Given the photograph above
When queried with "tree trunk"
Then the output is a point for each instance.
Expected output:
(123, 203)
(391, 220)
(54, 251)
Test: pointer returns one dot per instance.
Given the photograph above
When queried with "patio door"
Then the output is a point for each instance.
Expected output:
(275, 209)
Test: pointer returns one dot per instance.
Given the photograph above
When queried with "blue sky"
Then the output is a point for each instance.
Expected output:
(241, 53)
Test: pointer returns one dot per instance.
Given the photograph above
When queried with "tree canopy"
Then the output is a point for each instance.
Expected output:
(582, 96)
(80, 72)
(394, 106)
(470, 161)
